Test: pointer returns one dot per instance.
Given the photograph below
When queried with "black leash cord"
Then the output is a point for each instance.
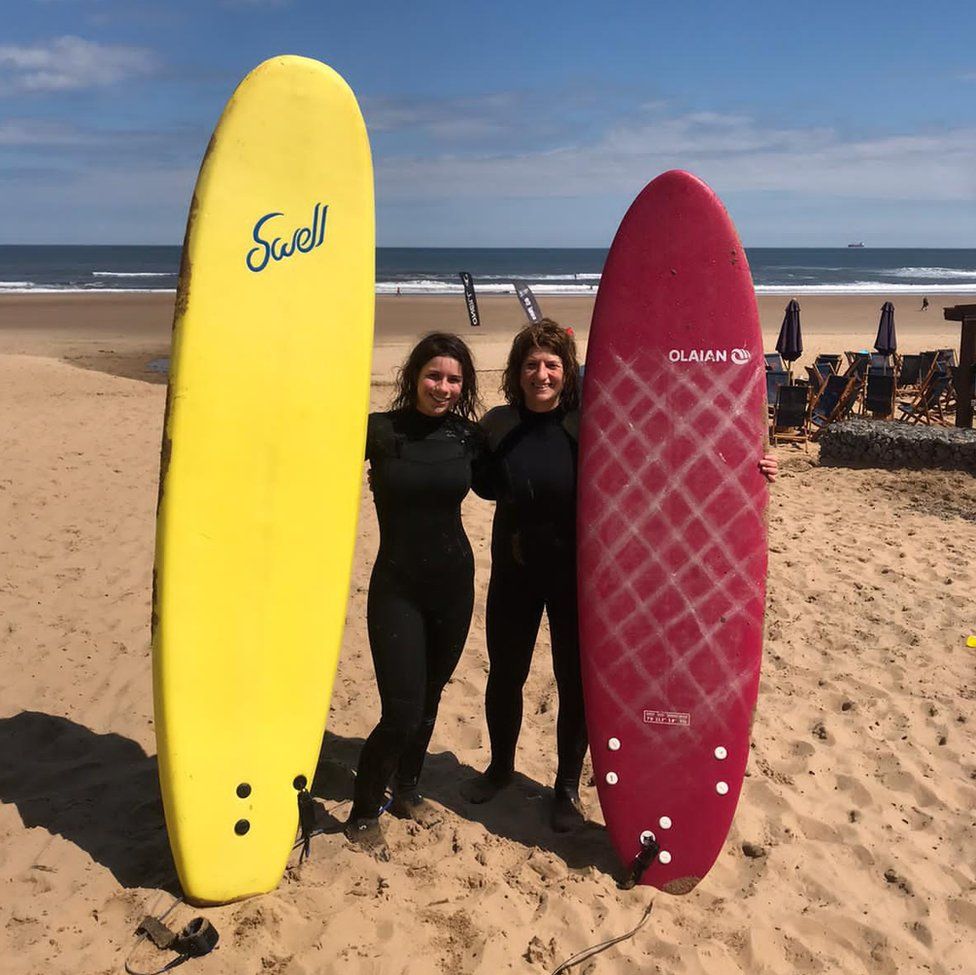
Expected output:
(596, 949)
(198, 938)
(142, 937)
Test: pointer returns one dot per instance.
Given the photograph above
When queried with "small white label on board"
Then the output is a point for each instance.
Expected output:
(667, 717)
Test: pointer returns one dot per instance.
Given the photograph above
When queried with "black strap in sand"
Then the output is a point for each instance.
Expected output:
(648, 852)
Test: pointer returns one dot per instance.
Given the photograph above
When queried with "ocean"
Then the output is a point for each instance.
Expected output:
(565, 271)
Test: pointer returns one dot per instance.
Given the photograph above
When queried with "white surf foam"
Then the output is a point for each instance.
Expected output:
(132, 274)
(867, 288)
(482, 288)
(48, 290)
(932, 272)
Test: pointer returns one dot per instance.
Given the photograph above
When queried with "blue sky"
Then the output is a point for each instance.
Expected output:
(504, 123)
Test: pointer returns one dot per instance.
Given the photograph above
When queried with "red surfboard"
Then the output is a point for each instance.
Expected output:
(672, 530)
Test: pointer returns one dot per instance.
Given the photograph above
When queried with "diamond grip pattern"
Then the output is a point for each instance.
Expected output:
(672, 565)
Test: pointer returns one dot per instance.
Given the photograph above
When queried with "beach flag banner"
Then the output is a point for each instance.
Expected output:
(528, 302)
(469, 298)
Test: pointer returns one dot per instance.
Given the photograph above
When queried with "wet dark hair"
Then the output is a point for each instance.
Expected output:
(547, 335)
(430, 347)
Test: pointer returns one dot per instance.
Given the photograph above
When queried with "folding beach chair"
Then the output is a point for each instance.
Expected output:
(774, 379)
(955, 392)
(947, 359)
(879, 399)
(928, 362)
(857, 368)
(857, 364)
(833, 403)
(815, 379)
(880, 365)
(825, 366)
(833, 361)
(927, 406)
(789, 423)
(775, 361)
(908, 374)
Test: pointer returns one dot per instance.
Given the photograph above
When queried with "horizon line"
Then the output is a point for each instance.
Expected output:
(530, 247)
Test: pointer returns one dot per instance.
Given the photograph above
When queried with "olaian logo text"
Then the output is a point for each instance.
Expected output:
(299, 241)
(738, 356)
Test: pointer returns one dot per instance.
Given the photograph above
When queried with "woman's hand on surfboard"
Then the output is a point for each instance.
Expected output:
(769, 467)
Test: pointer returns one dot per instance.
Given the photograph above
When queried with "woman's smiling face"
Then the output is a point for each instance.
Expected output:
(541, 380)
(439, 386)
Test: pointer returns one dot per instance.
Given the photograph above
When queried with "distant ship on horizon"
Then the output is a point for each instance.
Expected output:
(855, 245)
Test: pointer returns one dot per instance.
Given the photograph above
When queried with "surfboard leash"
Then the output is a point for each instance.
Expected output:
(587, 953)
(306, 822)
(197, 938)
(648, 853)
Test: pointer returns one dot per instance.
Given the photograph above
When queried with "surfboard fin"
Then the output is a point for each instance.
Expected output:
(648, 852)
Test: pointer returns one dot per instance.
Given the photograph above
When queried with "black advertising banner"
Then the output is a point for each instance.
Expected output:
(527, 299)
(469, 299)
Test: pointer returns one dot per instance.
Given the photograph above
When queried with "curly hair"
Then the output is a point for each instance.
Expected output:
(552, 337)
(430, 347)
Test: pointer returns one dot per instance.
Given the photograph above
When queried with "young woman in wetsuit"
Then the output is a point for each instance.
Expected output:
(530, 470)
(421, 593)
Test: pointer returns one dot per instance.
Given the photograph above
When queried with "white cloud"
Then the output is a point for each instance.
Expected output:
(732, 152)
(70, 63)
(29, 133)
(459, 119)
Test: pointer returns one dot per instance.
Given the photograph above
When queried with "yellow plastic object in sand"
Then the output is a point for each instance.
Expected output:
(971, 641)
(261, 470)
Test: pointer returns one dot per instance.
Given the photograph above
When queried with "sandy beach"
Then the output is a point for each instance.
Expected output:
(852, 848)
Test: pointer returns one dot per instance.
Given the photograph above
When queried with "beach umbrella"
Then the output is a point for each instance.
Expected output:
(790, 342)
(886, 343)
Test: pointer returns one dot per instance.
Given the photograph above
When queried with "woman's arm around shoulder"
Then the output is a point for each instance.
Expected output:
(482, 475)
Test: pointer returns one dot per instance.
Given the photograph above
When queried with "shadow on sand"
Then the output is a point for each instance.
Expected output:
(147, 367)
(519, 813)
(101, 792)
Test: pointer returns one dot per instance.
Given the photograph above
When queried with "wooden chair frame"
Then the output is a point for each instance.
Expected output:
(927, 405)
(781, 428)
(845, 399)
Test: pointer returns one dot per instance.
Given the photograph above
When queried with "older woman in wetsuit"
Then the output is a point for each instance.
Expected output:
(530, 470)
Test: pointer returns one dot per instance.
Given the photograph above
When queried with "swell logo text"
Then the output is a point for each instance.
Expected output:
(301, 241)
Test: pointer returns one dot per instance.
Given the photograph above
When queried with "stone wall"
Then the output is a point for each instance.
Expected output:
(889, 443)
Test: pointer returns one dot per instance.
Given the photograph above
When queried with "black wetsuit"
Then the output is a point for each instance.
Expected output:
(421, 592)
(530, 471)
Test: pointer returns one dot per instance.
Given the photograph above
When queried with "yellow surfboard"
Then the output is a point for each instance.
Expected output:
(261, 470)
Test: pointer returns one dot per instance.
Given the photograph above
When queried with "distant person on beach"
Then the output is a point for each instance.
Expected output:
(530, 470)
(422, 456)
(925, 304)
